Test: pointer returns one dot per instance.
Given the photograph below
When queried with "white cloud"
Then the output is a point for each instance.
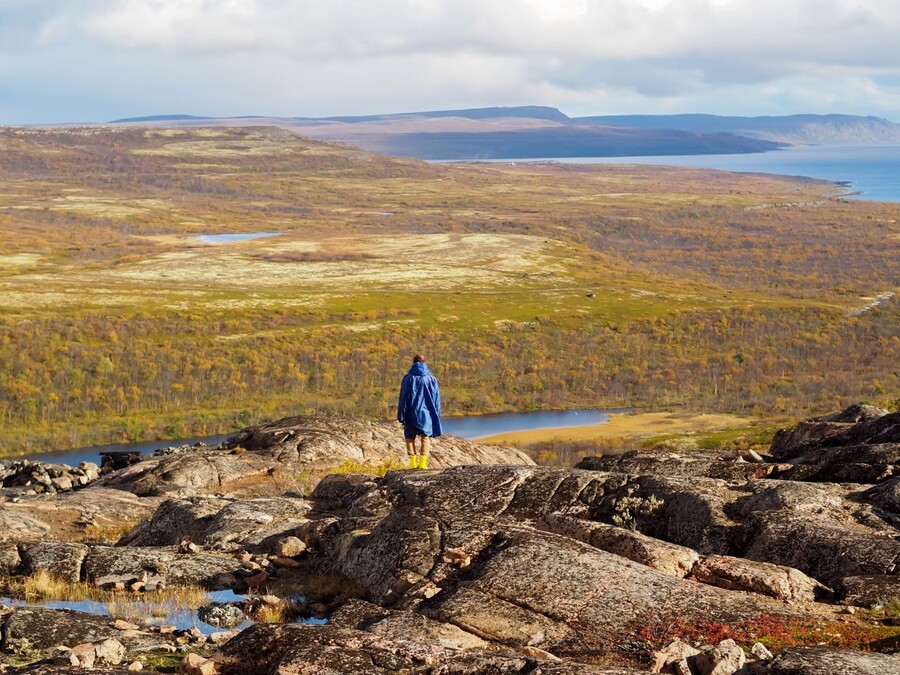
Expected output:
(352, 56)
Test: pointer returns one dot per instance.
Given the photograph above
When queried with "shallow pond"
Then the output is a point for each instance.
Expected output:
(168, 613)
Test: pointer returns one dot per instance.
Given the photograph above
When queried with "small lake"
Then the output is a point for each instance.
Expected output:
(232, 238)
(75, 456)
(472, 427)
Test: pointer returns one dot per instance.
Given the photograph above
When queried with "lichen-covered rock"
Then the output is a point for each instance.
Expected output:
(672, 559)
(858, 425)
(28, 630)
(106, 565)
(255, 523)
(188, 474)
(61, 560)
(695, 465)
(776, 495)
(295, 649)
(783, 583)
(343, 488)
(412, 626)
(10, 560)
(886, 496)
(870, 591)
(726, 658)
(222, 616)
(818, 546)
(312, 440)
(55, 669)
(243, 463)
(178, 519)
(827, 661)
(16, 525)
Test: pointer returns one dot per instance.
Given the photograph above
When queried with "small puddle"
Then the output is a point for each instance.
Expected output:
(231, 238)
(167, 613)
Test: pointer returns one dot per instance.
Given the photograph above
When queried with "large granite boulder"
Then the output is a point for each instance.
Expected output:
(870, 591)
(683, 466)
(886, 496)
(784, 583)
(199, 472)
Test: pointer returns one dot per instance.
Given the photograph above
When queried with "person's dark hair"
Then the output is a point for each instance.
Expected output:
(418, 358)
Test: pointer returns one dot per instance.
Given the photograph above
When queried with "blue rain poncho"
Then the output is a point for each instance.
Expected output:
(419, 410)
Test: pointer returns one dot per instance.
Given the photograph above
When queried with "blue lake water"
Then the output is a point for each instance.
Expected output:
(480, 426)
(472, 427)
(872, 171)
(168, 613)
(231, 238)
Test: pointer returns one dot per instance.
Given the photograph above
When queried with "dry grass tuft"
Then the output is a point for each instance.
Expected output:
(380, 469)
(106, 534)
(46, 586)
(280, 613)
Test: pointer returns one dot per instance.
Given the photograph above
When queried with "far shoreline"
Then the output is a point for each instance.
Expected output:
(634, 425)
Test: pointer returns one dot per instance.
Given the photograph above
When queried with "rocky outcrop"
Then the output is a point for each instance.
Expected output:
(681, 466)
(43, 477)
(776, 581)
(509, 568)
(107, 566)
(458, 547)
(72, 514)
(243, 464)
(283, 650)
(856, 426)
(671, 559)
(310, 440)
(253, 524)
(828, 661)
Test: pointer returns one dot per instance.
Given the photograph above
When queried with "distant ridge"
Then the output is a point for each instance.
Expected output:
(798, 129)
(159, 118)
(540, 132)
(538, 112)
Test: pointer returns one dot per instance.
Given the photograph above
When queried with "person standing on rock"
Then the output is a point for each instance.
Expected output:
(419, 411)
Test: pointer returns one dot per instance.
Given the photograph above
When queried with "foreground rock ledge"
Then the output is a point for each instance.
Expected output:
(508, 568)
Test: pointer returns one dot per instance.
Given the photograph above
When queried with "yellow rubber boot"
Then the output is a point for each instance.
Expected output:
(423, 462)
(413, 461)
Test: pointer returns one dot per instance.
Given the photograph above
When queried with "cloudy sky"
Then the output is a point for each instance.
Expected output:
(97, 60)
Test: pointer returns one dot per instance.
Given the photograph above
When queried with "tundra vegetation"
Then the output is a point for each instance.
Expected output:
(528, 286)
